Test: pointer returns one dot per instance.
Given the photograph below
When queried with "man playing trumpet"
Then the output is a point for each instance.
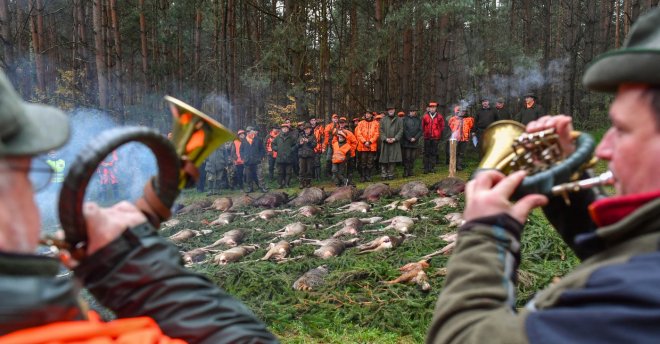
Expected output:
(613, 295)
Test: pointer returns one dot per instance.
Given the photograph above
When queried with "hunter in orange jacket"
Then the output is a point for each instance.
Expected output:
(367, 131)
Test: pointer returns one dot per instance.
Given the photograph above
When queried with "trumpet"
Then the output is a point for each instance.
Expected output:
(508, 148)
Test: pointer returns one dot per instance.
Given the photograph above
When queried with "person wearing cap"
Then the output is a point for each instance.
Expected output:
(367, 133)
(237, 172)
(432, 126)
(129, 268)
(306, 145)
(613, 295)
(501, 109)
(284, 146)
(412, 132)
(461, 126)
(340, 156)
(391, 132)
(330, 128)
(485, 116)
(271, 153)
(252, 153)
(319, 135)
(352, 141)
(531, 110)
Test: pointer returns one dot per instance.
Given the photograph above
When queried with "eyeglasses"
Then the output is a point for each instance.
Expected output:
(39, 172)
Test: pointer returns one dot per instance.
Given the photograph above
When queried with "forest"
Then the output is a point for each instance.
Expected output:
(249, 62)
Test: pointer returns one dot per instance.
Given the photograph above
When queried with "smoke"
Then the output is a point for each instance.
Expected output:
(219, 108)
(135, 165)
(524, 79)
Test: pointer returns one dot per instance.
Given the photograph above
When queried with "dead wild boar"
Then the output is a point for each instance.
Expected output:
(375, 191)
(231, 238)
(222, 204)
(309, 196)
(272, 199)
(241, 201)
(344, 193)
(449, 186)
(311, 279)
(278, 251)
(414, 189)
(331, 247)
(382, 243)
(233, 254)
(194, 207)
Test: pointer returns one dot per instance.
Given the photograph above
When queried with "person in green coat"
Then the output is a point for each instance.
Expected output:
(391, 132)
(286, 146)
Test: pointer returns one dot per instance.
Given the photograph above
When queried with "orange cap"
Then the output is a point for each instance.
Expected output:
(334, 115)
(433, 104)
(342, 119)
(400, 113)
(241, 131)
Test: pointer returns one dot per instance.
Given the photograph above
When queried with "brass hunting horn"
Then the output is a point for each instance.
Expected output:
(508, 148)
(194, 136)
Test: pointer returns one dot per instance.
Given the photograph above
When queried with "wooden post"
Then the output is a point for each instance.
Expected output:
(452, 157)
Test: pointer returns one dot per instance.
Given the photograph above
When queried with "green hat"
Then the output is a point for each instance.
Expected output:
(26, 128)
(637, 61)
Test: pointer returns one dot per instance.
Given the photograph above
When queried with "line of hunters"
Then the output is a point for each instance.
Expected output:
(387, 139)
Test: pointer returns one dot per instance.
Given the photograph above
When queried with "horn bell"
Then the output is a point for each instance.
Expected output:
(195, 135)
(497, 146)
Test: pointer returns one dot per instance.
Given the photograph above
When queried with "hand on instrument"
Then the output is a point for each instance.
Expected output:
(489, 192)
(106, 224)
(563, 126)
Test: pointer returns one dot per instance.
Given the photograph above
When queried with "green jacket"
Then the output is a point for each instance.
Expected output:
(390, 128)
(412, 128)
(527, 115)
(286, 146)
(138, 274)
(613, 296)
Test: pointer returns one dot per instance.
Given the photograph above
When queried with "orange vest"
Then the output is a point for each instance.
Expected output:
(142, 330)
(318, 134)
(329, 128)
(350, 138)
(367, 131)
(237, 146)
(339, 153)
(468, 123)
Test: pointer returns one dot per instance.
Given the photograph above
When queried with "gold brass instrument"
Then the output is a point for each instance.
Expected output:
(194, 137)
(508, 148)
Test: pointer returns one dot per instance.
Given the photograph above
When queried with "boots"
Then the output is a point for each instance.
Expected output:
(287, 181)
(280, 181)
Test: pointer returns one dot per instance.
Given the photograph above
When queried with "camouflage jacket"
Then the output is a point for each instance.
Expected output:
(138, 274)
(611, 297)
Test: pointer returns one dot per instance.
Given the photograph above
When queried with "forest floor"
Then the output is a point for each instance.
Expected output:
(354, 306)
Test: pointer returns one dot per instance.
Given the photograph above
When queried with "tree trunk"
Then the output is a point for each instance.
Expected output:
(39, 65)
(119, 68)
(143, 47)
(99, 45)
(5, 36)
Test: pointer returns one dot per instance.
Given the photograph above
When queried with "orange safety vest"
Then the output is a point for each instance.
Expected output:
(329, 129)
(318, 134)
(141, 330)
(237, 146)
(269, 143)
(468, 123)
(350, 139)
(339, 153)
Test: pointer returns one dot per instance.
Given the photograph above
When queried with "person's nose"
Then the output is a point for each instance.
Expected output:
(605, 147)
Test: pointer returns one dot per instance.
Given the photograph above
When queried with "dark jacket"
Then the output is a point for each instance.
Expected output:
(252, 153)
(285, 145)
(219, 159)
(502, 113)
(527, 115)
(306, 145)
(138, 274)
(412, 128)
(612, 297)
(484, 118)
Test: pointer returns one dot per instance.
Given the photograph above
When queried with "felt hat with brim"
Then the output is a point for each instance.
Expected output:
(28, 129)
(637, 61)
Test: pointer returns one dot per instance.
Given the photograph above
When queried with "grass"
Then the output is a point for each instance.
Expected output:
(354, 306)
